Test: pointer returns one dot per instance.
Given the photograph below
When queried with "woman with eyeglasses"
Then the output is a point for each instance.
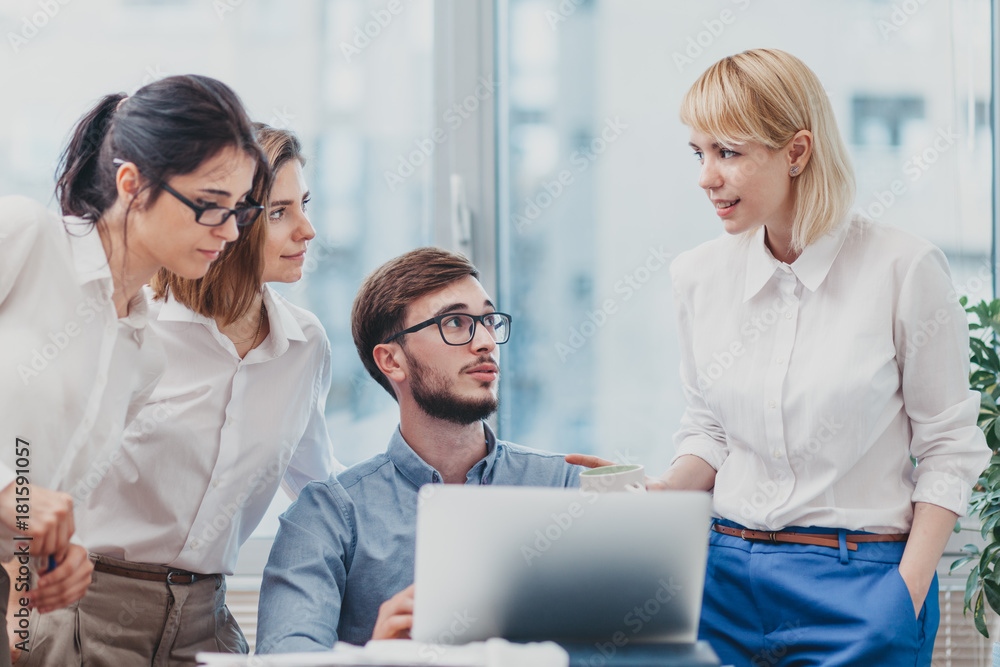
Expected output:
(240, 410)
(822, 354)
(78, 356)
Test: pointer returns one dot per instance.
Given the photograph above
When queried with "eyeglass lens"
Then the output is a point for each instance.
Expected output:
(460, 329)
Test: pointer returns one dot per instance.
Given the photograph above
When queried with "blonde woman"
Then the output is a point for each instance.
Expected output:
(827, 537)
(239, 411)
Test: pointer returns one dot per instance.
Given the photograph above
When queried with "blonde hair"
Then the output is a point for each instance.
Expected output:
(767, 96)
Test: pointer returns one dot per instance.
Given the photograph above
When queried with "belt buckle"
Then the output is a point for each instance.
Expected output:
(743, 534)
(170, 578)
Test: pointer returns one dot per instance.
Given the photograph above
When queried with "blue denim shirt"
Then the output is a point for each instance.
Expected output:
(347, 544)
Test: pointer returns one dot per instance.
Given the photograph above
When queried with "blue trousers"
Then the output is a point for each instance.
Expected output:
(795, 605)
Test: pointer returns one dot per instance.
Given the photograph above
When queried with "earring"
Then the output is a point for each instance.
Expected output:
(794, 171)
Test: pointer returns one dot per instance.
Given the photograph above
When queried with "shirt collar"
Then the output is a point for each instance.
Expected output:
(284, 326)
(89, 258)
(419, 472)
(811, 267)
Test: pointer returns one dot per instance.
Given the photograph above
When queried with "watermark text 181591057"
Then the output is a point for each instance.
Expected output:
(22, 551)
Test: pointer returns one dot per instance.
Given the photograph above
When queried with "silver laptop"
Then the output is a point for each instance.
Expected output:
(528, 563)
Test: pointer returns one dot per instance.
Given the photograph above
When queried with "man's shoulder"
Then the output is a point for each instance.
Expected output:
(370, 471)
(535, 467)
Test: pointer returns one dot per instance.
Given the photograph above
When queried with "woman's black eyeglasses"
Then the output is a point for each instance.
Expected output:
(213, 216)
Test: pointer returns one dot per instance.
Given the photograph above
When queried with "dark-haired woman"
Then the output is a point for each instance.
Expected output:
(239, 411)
(155, 180)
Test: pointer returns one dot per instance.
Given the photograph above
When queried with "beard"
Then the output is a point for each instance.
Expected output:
(430, 391)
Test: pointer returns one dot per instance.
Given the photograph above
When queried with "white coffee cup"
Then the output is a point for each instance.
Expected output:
(630, 477)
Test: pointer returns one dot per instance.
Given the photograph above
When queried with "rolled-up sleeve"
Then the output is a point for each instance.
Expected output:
(302, 589)
(700, 433)
(932, 343)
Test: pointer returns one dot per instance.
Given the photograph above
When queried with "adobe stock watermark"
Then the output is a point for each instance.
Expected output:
(900, 15)
(626, 288)
(913, 168)
(461, 624)
(562, 12)
(147, 422)
(703, 39)
(263, 479)
(751, 331)
(363, 35)
(223, 7)
(407, 164)
(58, 340)
(635, 620)
(767, 490)
(563, 522)
(32, 24)
(789, 633)
(581, 160)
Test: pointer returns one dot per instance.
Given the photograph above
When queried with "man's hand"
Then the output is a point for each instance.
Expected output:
(652, 483)
(395, 616)
(49, 523)
(64, 585)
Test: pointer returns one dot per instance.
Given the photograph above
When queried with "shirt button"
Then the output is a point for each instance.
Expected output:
(780, 360)
(215, 483)
(788, 316)
(194, 544)
(776, 453)
(772, 404)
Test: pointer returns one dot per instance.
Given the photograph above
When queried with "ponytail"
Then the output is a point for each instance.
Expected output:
(85, 179)
(168, 127)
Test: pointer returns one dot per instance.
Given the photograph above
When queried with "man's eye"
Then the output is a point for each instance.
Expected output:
(726, 153)
(455, 321)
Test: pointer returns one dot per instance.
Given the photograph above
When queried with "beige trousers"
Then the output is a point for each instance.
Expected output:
(130, 622)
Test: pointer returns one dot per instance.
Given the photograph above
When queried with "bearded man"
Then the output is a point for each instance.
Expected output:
(341, 566)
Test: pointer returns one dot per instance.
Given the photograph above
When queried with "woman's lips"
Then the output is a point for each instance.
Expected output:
(725, 207)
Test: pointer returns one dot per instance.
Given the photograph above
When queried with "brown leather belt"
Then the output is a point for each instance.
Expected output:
(173, 577)
(817, 539)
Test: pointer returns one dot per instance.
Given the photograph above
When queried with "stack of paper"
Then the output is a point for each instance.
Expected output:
(406, 653)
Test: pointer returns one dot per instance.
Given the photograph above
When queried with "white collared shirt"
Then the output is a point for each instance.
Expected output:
(74, 373)
(809, 386)
(204, 458)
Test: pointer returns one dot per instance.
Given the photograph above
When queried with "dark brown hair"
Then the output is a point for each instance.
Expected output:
(380, 307)
(167, 128)
(228, 290)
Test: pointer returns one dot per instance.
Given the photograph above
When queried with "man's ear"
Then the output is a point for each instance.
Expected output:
(391, 361)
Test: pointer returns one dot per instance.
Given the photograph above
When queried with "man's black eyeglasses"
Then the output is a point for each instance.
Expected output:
(460, 328)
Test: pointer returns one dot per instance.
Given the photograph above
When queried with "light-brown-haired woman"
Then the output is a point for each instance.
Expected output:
(239, 411)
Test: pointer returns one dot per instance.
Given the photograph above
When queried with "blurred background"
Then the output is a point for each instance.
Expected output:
(564, 171)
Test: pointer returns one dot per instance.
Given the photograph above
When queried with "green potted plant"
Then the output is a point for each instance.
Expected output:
(983, 585)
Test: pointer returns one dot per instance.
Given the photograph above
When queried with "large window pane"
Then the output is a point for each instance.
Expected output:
(603, 185)
(352, 79)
